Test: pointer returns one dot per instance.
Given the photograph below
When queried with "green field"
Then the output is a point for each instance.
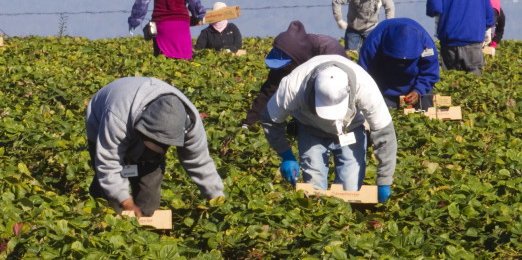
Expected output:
(457, 192)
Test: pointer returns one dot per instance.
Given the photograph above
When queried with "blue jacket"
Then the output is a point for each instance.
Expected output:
(400, 56)
(461, 22)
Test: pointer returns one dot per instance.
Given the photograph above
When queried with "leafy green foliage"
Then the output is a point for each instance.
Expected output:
(456, 193)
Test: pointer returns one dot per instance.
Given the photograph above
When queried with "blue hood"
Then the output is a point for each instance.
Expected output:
(401, 41)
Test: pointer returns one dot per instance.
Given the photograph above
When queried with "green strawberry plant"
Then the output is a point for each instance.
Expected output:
(456, 192)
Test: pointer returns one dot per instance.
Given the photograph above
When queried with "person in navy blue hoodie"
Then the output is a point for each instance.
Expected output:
(402, 58)
(462, 28)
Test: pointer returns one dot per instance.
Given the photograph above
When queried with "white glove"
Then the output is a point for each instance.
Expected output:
(342, 24)
(487, 38)
(131, 30)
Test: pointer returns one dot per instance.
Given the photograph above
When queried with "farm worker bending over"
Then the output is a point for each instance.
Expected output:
(291, 48)
(402, 58)
(463, 27)
(220, 35)
(363, 16)
(130, 124)
(326, 95)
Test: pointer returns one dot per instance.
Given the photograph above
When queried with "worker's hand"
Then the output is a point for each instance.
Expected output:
(131, 30)
(128, 204)
(342, 24)
(289, 168)
(412, 98)
(384, 192)
(487, 37)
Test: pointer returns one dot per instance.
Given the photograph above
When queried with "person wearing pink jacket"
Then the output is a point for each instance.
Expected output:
(500, 22)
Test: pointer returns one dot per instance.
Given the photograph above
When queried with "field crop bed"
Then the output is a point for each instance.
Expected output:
(456, 195)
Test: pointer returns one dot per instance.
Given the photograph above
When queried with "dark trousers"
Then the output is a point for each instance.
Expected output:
(145, 188)
(425, 101)
(156, 48)
(468, 58)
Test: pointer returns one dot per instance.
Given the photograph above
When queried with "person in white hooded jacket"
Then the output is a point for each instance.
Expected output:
(130, 124)
(330, 97)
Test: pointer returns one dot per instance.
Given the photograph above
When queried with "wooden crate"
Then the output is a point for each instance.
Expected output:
(161, 219)
(367, 193)
(449, 113)
(240, 52)
(225, 13)
(488, 50)
(442, 109)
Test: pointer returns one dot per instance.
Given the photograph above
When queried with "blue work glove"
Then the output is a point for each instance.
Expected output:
(383, 193)
(289, 168)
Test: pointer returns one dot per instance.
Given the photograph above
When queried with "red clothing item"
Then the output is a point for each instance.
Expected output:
(166, 10)
(496, 5)
(174, 39)
(170, 10)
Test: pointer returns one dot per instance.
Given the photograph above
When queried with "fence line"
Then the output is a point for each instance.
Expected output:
(128, 11)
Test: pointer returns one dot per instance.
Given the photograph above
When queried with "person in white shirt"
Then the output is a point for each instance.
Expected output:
(331, 97)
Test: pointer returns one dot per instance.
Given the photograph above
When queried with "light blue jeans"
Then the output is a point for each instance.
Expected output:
(349, 161)
(353, 39)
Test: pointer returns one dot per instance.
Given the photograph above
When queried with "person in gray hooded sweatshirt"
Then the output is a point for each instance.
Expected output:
(130, 124)
(291, 48)
(363, 16)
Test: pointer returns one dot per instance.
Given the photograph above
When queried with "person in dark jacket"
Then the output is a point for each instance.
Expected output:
(402, 58)
(290, 49)
(172, 21)
(463, 28)
(500, 23)
(220, 35)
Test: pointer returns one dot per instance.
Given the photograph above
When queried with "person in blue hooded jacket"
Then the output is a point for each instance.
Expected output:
(463, 28)
(402, 58)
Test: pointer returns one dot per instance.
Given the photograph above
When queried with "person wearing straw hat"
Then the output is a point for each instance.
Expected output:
(219, 35)
(402, 58)
(330, 97)
(130, 123)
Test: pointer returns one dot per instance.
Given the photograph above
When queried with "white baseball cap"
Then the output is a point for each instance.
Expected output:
(331, 93)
